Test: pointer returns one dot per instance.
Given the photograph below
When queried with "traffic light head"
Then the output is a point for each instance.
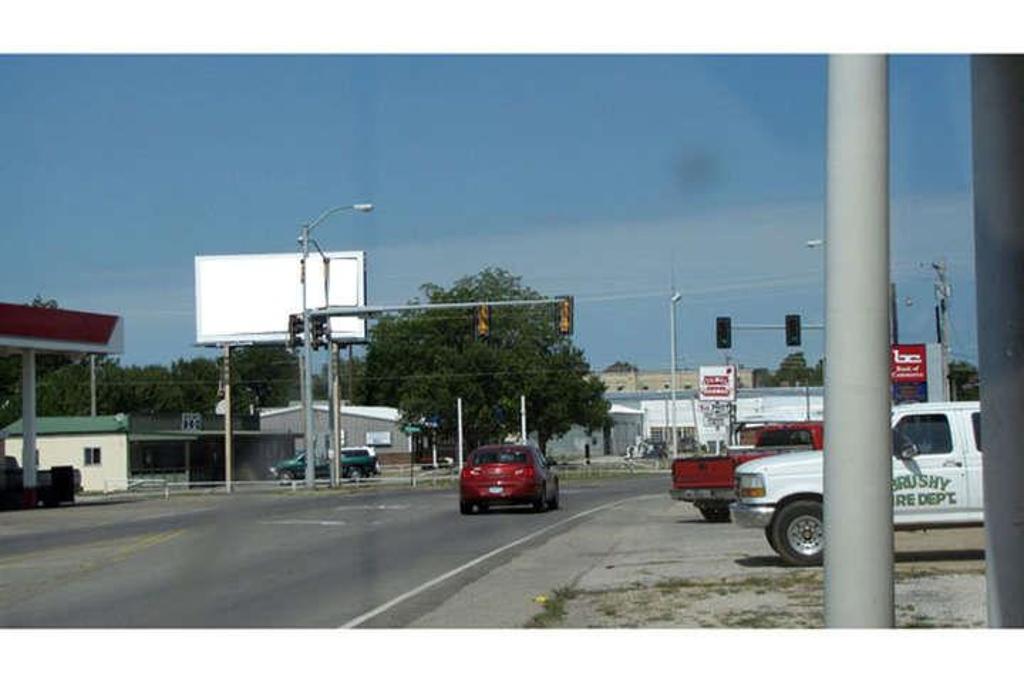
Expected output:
(320, 333)
(792, 330)
(565, 315)
(723, 333)
(482, 321)
(295, 329)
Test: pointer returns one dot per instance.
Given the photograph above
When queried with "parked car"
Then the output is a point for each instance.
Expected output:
(355, 462)
(709, 481)
(936, 481)
(508, 474)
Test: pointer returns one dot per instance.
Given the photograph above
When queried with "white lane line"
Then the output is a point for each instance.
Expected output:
(483, 558)
(315, 522)
(373, 507)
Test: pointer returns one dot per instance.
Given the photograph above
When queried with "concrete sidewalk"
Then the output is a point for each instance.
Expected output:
(654, 562)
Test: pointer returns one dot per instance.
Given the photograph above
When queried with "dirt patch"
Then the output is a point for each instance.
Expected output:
(925, 598)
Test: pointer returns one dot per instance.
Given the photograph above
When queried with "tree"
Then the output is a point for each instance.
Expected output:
(422, 361)
(621, 366)
(964, 378)
(263, 376)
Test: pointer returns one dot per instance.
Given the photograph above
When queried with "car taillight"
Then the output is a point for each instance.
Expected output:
(526, 472)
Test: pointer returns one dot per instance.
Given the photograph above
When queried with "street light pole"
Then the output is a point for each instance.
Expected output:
(676, 296)
(307, 398)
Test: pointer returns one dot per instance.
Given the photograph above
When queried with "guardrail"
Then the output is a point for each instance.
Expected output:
(390, 476)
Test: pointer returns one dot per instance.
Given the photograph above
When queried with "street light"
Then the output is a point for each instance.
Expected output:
(676, 296)
(307, 367)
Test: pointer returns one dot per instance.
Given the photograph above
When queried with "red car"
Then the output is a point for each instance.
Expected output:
(508, 474)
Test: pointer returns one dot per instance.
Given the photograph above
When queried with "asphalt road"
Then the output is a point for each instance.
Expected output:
(327, 559)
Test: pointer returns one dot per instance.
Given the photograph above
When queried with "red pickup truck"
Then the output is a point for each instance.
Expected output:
(707, 481)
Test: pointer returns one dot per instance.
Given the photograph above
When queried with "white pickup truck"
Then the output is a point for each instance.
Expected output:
(936, 481)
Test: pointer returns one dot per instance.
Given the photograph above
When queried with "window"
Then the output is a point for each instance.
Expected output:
(499, 457)
(930, 433)
(976, 423)
(92, 455)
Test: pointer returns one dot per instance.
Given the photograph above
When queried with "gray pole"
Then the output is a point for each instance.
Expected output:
(522, 416)
(29, 465)
(942, 292)
(307, 369)
(894, 312)
(858, 468)
(672, 318)
(92, 384)
(998, 137)
(332, 414)
(228, 426)
(458, 410)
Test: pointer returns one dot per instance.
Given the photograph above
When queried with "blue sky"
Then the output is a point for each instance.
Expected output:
(598, 176)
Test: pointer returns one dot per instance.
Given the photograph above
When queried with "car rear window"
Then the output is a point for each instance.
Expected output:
(499, 458)
(358, 452)
(786, 437)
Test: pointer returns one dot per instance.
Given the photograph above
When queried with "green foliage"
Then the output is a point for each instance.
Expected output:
(964, 378)
(422, 361)
(792, 371)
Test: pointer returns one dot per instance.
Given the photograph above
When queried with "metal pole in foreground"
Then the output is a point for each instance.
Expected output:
(858, 468)
(998, 138)
(334, 427)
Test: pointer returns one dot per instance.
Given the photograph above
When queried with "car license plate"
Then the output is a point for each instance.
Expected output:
(496, 489)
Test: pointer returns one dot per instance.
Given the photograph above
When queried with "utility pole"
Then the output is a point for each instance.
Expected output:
(894, 313)
(942, 293)
(673, 300)
(335, 426)
(458, 411)
(92, 384)
(228, 427)
(522, 416)
(858, 529)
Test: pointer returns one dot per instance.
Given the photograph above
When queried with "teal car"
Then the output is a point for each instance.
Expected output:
(355, 462)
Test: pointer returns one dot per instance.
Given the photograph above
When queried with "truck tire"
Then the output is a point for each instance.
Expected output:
(768, 536)
(799, 533)
(714, 513)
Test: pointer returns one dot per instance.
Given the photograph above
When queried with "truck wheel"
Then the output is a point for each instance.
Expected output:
(714, 513)
(799, 533)
(346, 472)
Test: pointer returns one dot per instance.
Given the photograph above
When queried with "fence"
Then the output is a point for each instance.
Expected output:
(391, 476)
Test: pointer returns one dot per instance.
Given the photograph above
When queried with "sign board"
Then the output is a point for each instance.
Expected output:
(191, 422)
(378, 438)
(247, 298)
(908, 371)
(717, 383)
(411, 429)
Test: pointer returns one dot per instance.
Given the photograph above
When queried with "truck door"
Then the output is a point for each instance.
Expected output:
(972, 443)
(930, 479)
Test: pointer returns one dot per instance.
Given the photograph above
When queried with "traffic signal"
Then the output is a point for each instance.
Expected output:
(792, 330)
(565, 314)
(295, 330)
(482, 321)
(723, 333)
(319, 332)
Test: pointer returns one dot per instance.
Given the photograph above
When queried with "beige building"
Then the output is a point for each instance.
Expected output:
(95, 446)
(635, 381)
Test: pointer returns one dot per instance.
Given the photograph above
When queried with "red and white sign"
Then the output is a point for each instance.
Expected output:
(717, 383)
(908, 364)
(58, 330)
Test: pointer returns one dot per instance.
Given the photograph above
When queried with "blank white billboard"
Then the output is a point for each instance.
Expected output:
(248, 297)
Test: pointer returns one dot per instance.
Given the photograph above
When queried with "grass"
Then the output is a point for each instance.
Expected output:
(553, 612)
